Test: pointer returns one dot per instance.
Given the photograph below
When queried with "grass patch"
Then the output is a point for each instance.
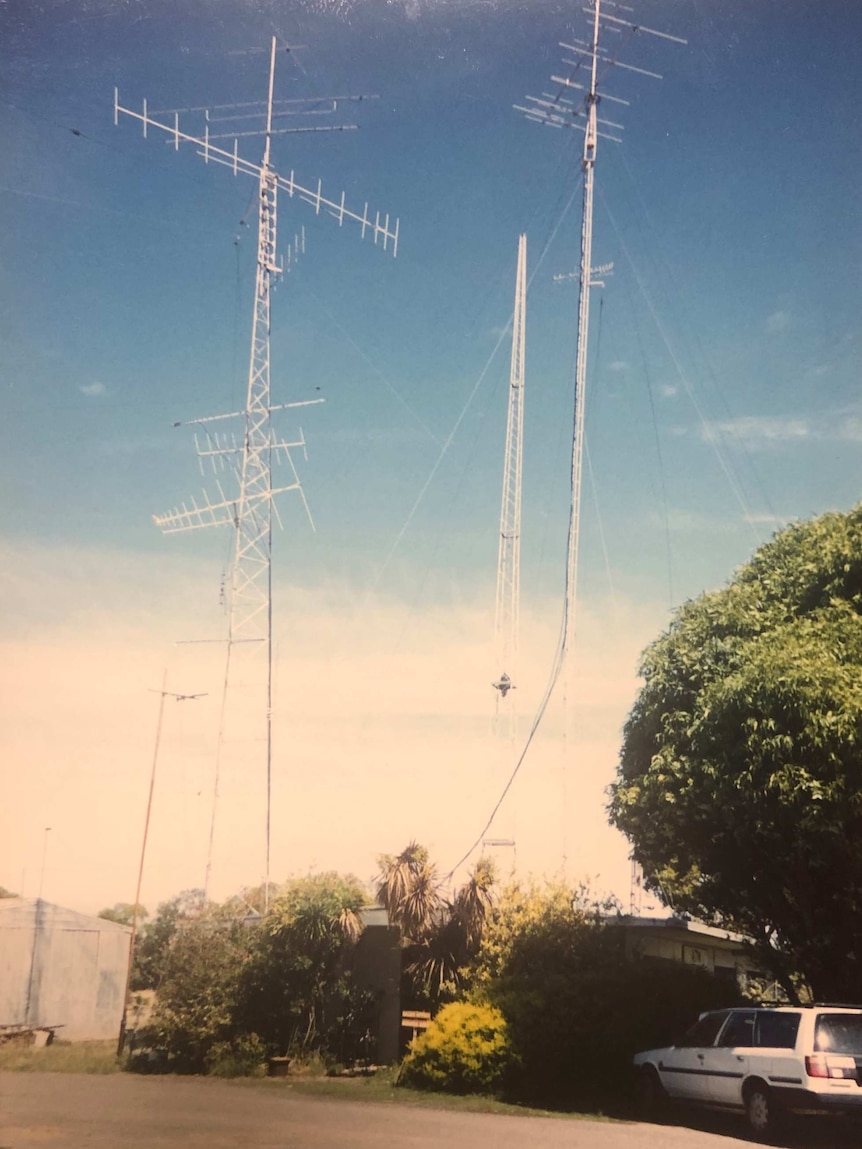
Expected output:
(381, 1088)
(61, 1057)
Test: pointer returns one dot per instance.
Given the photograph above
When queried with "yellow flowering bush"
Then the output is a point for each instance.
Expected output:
(465, 1049)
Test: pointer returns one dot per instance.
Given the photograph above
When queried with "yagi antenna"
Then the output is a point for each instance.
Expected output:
(246, 458)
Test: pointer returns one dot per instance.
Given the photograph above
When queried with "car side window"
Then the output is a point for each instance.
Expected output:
(703, 1032)
(739, 1030)
(776, 1030)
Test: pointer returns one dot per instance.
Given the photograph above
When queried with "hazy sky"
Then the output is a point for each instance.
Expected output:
(723, 402)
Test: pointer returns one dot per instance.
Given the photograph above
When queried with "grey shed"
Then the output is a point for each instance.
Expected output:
(61, 968)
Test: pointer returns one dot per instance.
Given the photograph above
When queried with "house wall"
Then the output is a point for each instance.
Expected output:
(689, 947)
(377, 966)
(60, 968)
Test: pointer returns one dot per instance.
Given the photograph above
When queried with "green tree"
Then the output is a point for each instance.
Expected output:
(123, 913)
(153, 945)
(199, 983)
(4, 893)
(295, 987)
(740, 777)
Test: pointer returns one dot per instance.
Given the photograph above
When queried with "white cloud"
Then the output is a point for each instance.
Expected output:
(618, 366)
(758, 519)
(771, 431)
(759, 430)
(777, 321)
(684, 521)
(668, 391)
(849, 429)
(93, 390)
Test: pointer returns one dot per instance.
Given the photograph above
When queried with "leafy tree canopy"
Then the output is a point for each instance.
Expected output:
(154, 943)
(740, 776)
(296, 989)
(122, 913)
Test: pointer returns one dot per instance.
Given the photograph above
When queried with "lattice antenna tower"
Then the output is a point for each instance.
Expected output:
(508, 604)
(249, 455)
(592, 62)
(506, 616)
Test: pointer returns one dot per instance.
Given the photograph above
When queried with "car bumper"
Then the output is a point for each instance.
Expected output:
(808, 1101)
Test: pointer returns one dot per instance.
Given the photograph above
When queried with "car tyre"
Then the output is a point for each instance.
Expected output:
(651, 1096)
(760, 1109)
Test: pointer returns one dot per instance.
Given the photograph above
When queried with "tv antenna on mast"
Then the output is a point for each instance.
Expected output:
(249, 456)
(507, 613)
(575, 104)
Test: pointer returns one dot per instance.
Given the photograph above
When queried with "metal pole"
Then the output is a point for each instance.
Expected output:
(121, 1040)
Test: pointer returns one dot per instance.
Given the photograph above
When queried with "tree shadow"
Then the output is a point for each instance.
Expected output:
(793, 1132)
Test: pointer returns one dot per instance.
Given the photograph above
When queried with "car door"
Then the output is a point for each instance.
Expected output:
(683, 1066)
(727, 1062)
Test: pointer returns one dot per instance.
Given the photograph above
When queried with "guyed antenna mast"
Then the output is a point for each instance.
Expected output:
(249, 456)
(589, 63)
(507, 613)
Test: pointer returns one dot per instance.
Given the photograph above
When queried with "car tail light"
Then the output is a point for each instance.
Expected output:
(830, 1065)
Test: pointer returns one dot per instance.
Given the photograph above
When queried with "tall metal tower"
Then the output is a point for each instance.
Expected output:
(249, 456)
(507, 613)
(506, 619)
(588, 70)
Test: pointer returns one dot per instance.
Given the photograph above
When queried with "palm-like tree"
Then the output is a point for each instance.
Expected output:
(409, 889)
(472, 903)
(439, 936)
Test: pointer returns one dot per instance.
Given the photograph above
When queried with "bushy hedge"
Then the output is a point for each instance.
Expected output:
(465, 1049)
(577, 1006)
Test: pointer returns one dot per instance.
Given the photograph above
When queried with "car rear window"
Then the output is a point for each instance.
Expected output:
(776, 1030)
(838, 1033)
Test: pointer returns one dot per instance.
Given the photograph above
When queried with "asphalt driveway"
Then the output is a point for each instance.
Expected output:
(122, 1111)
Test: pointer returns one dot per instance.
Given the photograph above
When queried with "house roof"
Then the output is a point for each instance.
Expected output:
(686, 925)
(25, 913)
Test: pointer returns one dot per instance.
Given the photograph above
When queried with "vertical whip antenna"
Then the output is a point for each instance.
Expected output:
(249, 511)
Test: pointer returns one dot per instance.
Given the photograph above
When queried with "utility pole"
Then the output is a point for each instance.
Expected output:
(163, 694)
(249, 512)
(589, 63)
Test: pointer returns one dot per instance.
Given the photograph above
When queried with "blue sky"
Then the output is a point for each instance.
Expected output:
(722, 400)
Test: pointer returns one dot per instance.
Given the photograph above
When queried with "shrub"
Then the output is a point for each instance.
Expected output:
(577, 1006)
(464, 1050)
(244, 1056)
(195, 1003)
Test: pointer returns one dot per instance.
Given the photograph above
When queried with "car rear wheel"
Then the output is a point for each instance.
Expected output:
(760, 1109)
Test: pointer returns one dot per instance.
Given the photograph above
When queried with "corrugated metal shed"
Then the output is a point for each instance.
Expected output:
(59, 967)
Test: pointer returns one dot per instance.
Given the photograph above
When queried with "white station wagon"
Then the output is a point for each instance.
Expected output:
(804, 1059)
